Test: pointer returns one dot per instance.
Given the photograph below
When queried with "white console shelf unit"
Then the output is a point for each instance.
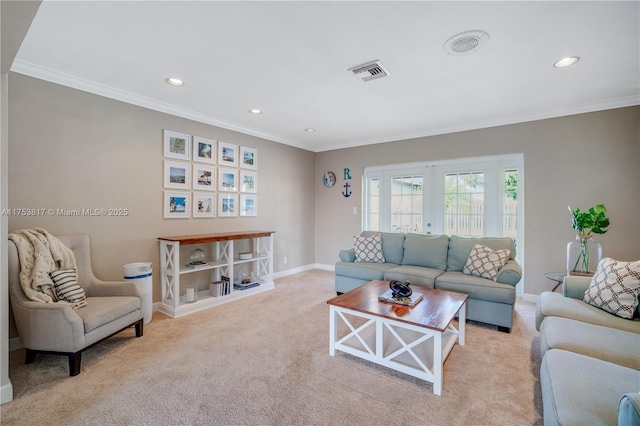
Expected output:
(221, 260)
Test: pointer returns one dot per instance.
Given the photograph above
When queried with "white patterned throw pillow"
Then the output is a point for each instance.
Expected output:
(368, 249)
(615, 287)
(485, 262)
(66, 285)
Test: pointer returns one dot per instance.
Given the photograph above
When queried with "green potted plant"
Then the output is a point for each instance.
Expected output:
(584, 253)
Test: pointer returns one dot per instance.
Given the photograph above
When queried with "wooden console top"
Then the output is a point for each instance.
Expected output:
(222, 236)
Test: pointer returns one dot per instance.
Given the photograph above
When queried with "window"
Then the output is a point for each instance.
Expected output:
(407, 203)
(464, 203)
(510, 203)
(373, 204)
(472, 196)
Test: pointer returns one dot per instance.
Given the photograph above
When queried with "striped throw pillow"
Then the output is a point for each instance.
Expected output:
(65, 282)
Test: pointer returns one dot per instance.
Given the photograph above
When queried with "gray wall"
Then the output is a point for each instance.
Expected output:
(579, 160)
(71, 149)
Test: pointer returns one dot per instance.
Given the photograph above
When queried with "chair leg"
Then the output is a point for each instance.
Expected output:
(31, 356)
(139, 328)
(75, 360)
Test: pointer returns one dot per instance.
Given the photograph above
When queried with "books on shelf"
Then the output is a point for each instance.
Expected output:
(220, 288)
(196, 265)
(244, 286)
(387, 296)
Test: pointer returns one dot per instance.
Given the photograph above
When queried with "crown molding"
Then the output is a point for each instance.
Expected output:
(63, 79)
(53, 76)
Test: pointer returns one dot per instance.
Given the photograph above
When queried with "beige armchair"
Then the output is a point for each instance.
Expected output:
(56, 328)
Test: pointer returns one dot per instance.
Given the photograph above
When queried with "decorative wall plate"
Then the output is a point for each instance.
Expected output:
(329, 179)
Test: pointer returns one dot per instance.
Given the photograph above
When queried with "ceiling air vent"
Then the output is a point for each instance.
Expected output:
(465, 42)
(370, 71)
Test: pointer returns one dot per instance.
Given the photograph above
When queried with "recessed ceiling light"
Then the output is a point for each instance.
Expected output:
(175, 82)
(309, 130)
(565, 62)
(255, 111)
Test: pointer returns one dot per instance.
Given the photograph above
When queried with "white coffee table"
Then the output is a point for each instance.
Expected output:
(413, 340)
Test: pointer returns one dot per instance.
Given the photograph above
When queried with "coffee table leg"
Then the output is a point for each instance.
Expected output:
(462, 319)
(333, 331)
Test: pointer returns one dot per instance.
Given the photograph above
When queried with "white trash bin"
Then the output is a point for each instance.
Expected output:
(140, 272)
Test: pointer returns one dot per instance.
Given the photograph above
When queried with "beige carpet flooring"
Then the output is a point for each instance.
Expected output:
(264, 360)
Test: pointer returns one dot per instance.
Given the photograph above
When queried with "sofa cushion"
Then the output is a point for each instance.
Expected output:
(605, 343)
(362, 270)
(426, 250)
(102, 310)
(460, 248)
(580, 390)
(615, 287)
(416, 275)
(476, 287)
(557, 305)
(392, 245)
(485, 262)
(368, 249)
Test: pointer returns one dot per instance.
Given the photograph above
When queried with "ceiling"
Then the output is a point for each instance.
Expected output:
(291, 60)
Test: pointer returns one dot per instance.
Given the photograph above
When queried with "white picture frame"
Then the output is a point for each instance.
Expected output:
(177, 175)
(248, 205)
(227, 180)
(176, 145)
(177, 204)
(227, 205)
(204, 150)
(248, 181)
(204, 178)
(204, 204)
(227, 154)
(248, 158)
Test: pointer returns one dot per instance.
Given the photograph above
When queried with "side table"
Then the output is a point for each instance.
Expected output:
(558, 277)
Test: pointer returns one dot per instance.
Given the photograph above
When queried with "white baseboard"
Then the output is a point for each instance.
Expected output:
(530, 297)
(6, 393)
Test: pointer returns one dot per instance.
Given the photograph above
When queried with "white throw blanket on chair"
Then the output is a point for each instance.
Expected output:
(40, 253)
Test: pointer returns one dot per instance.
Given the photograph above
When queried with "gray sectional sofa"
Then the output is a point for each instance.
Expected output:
(437, 261)
(590, 371)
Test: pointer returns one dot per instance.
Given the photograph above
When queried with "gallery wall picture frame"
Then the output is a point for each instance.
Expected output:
(248, 205)
(248, 181)
(177, 145)
(227, 180)
(227, 154)
(177, 175)
(177, 204)
(227, 205)
(204, 178)
(204, 150)
(204, 204)
(248, 158)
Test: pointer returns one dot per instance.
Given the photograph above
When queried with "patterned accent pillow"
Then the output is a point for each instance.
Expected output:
(65, 282)
(485, 262)
(615, 287)
(368, 249)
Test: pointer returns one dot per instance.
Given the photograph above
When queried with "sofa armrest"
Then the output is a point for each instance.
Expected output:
(348, 255)
(510, 273)
(629, 409)
(575, 286)
(100, 288)
(64, 328)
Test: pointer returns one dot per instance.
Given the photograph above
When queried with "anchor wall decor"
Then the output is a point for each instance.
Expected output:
(347, 177)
